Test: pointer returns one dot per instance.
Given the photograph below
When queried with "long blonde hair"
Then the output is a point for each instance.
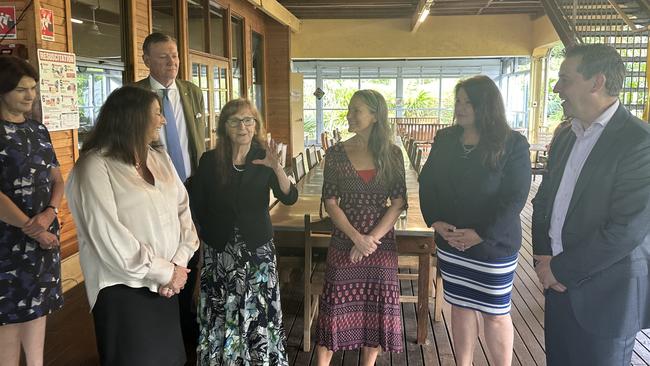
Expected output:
(380, 142)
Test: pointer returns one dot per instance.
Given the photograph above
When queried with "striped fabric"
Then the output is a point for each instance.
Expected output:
(478, 285)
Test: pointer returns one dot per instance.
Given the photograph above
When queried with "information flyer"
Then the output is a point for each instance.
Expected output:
(58, 87)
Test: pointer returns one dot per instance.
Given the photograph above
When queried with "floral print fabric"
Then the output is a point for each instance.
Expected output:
(239, 313)
(30, 277)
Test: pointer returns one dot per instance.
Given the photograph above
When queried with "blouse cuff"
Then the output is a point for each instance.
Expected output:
(161, 271)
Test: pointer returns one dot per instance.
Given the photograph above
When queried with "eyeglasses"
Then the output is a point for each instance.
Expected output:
(234, 122)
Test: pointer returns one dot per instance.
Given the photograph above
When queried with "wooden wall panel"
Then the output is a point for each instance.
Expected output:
(278, 46)
(142, 29)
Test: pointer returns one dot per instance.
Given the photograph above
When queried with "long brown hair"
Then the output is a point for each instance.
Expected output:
(489, 117)
(380, 142)
(224, 145)
(123, 124)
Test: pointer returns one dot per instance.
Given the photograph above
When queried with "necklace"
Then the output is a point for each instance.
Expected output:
(467, 150)
(237, 169)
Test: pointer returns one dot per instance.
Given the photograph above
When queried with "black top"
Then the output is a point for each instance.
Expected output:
(244, 202)
(455, 187)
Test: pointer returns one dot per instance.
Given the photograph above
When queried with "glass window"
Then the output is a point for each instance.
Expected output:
(196, 25)
(448, 100)
(163, 16)
(421, 97)
(237, 56)
(94, 85)
(216, 32)
(96, 31)
(257, 91)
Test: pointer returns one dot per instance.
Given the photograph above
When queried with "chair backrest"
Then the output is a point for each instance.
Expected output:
(312, 160)
(320, 154)
(418, 160)
(324, 140)
(298, 167)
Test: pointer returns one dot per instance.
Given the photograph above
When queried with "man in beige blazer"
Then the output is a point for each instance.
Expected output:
(161, 57)
(183, 106)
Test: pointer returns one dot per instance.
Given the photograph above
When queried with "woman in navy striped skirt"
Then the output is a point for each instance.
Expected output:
(472, 190)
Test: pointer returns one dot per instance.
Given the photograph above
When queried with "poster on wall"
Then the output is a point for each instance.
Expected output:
(58, 88)
(7, 22)
(47, 25)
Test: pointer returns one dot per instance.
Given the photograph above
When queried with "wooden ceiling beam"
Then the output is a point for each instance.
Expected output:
(420, 15)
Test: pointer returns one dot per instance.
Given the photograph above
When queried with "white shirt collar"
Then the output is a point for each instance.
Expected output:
(600, 122)
(156, 85)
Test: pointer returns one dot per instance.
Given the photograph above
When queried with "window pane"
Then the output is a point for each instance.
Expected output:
(99, 34)
(308, 98)
(335, 119)
(309, 116)
(258, 72)
(448, 99)
(421, 97)
(162, 15)
(237, 48)
(93, 87)
(196, 25)
(216, 32)
(338, 92)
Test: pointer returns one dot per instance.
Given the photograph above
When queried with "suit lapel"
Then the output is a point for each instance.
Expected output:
(598, 154)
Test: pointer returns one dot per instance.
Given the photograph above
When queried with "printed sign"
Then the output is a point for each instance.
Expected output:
(58, 88)
(47, 25)
(7, 22)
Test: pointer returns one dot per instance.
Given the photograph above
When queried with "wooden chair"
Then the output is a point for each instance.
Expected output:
(418, 160)
(324, 140)
(320, 154)
(298, 167)
(317, 235)
(312, 160)
(435, 288)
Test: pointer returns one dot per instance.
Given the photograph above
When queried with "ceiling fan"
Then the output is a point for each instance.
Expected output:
(94, 27)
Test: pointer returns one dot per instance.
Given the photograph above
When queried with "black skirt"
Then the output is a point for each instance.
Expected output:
(135, 326)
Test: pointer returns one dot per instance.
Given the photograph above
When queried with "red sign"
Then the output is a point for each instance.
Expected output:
(47, 24)
(7, 22)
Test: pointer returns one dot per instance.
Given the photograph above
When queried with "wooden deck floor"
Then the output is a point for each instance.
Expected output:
(70, 338)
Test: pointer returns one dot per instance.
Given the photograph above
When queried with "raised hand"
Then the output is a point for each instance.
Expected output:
(272, 158)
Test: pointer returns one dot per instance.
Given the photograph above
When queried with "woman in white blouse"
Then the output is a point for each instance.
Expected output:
(135, 232)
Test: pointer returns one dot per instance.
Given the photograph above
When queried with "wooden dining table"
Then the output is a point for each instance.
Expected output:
(413, 236)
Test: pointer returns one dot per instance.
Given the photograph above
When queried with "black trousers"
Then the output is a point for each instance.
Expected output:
(568, 344)
(135, 326)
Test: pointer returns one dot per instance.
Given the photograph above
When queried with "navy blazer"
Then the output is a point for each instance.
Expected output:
(486, 200)
(606, 232)
(217, 208)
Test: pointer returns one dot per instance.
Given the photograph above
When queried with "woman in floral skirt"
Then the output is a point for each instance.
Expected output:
(240, 317)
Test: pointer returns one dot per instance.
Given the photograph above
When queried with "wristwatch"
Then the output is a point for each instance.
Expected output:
(56, 210)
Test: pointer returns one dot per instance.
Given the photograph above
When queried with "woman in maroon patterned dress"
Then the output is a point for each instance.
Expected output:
(359, 307)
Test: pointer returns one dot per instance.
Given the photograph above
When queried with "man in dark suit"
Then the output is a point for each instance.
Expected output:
(591, 218)
(184, 139)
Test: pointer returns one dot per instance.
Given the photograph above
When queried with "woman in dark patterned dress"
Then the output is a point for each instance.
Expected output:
(31, 189)
(240, 318)
(359, 307)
